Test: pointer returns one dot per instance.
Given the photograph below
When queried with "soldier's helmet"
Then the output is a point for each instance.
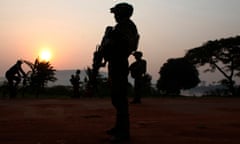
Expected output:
(123, 10)
(78, 71)
(137, 54)
(19, 62)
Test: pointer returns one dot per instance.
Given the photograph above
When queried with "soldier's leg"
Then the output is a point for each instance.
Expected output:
(120, 102)
(11, 88)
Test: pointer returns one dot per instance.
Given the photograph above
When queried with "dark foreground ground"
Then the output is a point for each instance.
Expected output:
(156, 121)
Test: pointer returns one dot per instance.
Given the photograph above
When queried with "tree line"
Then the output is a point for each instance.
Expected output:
(176, 74)
(221, 55)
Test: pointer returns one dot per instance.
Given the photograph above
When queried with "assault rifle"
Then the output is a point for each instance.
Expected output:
(99, 58)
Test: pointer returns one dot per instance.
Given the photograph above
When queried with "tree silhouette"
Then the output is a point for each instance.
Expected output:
(177, 74)
(95, 85)
(41, 72)
(222, 55)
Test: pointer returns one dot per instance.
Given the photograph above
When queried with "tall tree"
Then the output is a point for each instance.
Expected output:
(222, 55)
(177, 74)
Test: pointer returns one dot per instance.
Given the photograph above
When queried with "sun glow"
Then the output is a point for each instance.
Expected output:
(45, 55)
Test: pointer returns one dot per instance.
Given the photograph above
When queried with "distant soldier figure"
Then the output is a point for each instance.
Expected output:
(75, 81)
(14, 75)
(138, 70)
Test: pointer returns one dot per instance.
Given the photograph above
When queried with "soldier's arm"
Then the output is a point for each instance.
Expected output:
(22, 72)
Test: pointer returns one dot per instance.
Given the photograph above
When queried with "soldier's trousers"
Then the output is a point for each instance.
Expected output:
(119, 87)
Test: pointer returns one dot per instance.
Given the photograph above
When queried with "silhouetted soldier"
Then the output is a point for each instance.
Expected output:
(137, 71)
(14, 75)
(122, 40)
(75, 81)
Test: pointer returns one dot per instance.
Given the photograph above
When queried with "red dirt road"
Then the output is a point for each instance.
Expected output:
(84, 121)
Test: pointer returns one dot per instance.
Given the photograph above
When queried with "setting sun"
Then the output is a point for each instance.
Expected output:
(45, 55)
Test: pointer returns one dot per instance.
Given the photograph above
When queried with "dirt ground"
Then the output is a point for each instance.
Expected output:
(155, 121)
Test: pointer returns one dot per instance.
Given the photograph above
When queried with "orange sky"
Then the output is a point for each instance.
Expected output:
(72, 28)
